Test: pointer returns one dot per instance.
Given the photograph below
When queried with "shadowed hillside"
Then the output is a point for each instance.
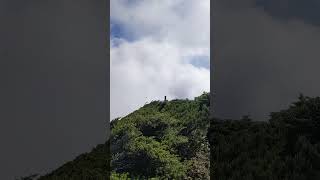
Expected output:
(88, 166)
(167, 140)
(161, 140)
(287, 147)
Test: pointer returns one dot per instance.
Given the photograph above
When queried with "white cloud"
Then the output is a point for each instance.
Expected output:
(156, 63)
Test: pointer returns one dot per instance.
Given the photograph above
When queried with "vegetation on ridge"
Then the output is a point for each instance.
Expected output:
(167, 140)
(162, 140)
(287, 147)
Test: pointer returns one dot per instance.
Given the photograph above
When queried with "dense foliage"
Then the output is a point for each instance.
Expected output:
(285, 148)
(162, 140)
(167, 140)
(88, 166)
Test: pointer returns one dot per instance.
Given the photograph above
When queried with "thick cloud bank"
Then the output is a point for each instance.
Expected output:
(161, 49)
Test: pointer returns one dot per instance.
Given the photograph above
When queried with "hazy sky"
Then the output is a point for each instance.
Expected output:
(158, 48)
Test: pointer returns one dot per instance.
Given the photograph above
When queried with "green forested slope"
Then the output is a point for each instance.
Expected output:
(167, 140)
(88, 166)
(285, 148)
(161, 140)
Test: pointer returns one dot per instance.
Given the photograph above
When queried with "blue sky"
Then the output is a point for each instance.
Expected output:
(119, 31)
(156, 53)
(200, 61)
